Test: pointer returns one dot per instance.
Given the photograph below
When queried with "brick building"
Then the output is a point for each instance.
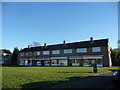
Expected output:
(83, 53)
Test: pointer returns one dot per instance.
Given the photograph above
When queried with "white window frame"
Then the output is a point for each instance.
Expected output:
(81, 50)
(46, 52)
(66, 51)
(96, 49)
(56, 52)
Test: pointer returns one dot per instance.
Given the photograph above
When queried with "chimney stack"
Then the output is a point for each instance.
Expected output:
(91, 38)
(64, 42)
(45, 44)
(29, 46)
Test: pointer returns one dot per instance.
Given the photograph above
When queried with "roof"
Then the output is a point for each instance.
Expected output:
(5, 51)
(83, 44)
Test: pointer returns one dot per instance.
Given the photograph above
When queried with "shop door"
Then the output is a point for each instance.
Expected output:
(42, 63)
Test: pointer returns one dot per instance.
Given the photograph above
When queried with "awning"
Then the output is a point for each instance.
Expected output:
(58, 58)
(92, 57)
(75, 57)
(42, 58)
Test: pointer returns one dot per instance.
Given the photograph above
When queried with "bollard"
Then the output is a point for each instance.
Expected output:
(95, 68)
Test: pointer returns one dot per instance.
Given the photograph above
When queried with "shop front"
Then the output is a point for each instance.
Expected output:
(88, 61)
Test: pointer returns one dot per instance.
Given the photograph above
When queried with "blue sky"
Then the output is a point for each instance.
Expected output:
(52, 22)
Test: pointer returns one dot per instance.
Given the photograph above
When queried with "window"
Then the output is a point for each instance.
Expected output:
(67, 51)
(63, 62)
(56, 52)
(26, 53)
(36, 53)
(46, 52)
(96, 49)
(54, 61)
(0, 53)
(30, 53)
(47, 62)
(81, 50)
(86, 62)
(99, 62)
(21, 54)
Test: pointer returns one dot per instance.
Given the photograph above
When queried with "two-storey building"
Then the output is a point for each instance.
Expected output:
(5, 57)
(83, 53)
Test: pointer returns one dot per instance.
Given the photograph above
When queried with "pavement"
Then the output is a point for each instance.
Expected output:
(99, 81)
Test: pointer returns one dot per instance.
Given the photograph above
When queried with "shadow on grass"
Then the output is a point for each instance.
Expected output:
(48, 84)
(45, 84)
(113, 70)
(79, 82)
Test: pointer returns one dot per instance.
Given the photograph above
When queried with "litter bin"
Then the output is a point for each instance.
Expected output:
(95, 68)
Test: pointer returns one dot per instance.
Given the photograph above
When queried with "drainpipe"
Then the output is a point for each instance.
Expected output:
(50, 58)
(68, 61)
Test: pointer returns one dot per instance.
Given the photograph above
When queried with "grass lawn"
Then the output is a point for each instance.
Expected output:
(24, 77)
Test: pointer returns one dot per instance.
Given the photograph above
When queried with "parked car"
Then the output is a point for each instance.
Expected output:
(116, 77)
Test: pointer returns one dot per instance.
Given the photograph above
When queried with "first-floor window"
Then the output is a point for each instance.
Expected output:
(46, 52)
(21, 54)
(26, 53)
(37, 53)
(81, 50)
(30, 53)
(95, 49)
(66, 51)
(56, 52)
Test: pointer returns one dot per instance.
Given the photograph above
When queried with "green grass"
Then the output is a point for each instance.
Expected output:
(26, 77)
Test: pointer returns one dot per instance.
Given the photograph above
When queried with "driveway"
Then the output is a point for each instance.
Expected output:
(100, 81)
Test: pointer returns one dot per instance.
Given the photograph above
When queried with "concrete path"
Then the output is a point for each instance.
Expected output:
(100, 81)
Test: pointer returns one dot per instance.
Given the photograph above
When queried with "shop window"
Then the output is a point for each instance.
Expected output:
(99, 62)
(47, 62)
(86, 62)
(62, 61)
(54, 61)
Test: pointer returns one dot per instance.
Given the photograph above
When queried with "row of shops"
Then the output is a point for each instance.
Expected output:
(63, 61)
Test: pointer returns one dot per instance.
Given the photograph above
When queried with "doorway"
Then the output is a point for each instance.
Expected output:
(42, 63)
